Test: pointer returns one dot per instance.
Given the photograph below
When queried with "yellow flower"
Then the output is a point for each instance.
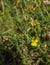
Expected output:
(35, 42)
(45, 46)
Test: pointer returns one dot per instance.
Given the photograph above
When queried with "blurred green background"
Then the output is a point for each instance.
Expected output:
(20, 22)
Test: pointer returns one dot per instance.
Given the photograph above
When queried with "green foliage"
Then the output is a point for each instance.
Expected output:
(20, 21)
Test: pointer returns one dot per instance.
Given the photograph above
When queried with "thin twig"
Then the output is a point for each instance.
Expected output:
(2, 3)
